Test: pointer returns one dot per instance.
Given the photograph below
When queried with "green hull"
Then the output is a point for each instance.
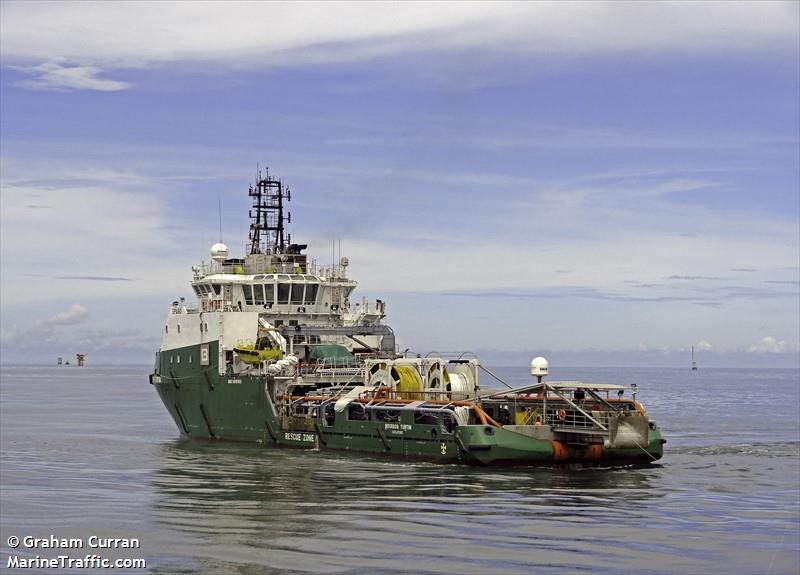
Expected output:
(207, 405)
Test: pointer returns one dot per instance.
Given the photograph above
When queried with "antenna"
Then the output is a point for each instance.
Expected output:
(219, 209)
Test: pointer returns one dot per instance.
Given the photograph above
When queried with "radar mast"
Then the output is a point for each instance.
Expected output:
(267, 216)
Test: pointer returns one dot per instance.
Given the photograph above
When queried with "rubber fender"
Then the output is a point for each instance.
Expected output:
(561, 451)
(594, 451)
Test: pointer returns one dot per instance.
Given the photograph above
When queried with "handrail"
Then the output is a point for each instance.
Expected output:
(573, 404)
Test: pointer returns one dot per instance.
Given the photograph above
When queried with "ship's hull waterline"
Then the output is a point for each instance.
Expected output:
(208, 406)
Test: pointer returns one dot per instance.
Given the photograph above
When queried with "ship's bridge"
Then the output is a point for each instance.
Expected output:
(270, 289)
(306, 294)
(275, 278)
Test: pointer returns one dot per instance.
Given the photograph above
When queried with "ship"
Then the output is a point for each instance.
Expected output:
(276, 351)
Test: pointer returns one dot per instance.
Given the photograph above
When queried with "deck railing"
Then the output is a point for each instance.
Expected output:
(333, 367)
(566, 417)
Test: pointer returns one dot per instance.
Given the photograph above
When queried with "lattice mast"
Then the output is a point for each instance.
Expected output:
(267, 216)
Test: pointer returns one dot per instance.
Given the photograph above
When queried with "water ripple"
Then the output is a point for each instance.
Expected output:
(104, 458)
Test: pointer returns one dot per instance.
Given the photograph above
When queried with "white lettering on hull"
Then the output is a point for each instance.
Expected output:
(306, 437)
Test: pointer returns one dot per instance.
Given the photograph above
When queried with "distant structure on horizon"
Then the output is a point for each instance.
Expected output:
(694, 363)
(81, 357)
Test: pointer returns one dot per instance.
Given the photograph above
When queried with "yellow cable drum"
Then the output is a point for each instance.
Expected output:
(408, 383)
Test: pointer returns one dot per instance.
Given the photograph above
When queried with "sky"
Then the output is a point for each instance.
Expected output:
(602, 183)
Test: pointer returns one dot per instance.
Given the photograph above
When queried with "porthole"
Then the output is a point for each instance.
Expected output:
(179, 328)
(166, 329)
(171, 358)
(179, 359)
(190, 359)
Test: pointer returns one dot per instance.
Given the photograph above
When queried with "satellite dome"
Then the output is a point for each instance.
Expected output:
(539, 366)
(219, 252)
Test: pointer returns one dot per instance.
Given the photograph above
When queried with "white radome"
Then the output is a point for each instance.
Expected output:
(539, 366)
(219, 252)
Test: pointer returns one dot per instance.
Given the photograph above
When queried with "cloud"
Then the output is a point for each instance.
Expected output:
(76, 314)
(708, 298)
(768, 345)
(703, 345)
(692, 278)
(86, 226)
(549, 137)
(618, 252)
(94, 278)
(54, 76)
(39, 341)
(71, 43)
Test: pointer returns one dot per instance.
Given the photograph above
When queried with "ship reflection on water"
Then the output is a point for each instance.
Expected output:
(313, 511)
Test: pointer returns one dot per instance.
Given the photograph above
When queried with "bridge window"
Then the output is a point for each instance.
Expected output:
(311, 293)
(258, 294)
(283, 293)
(217, 288)
(297, 294)
(248, 294)
(269, 293)
(197, 291)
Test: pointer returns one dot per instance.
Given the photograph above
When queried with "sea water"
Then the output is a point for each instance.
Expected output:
(92, 452)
